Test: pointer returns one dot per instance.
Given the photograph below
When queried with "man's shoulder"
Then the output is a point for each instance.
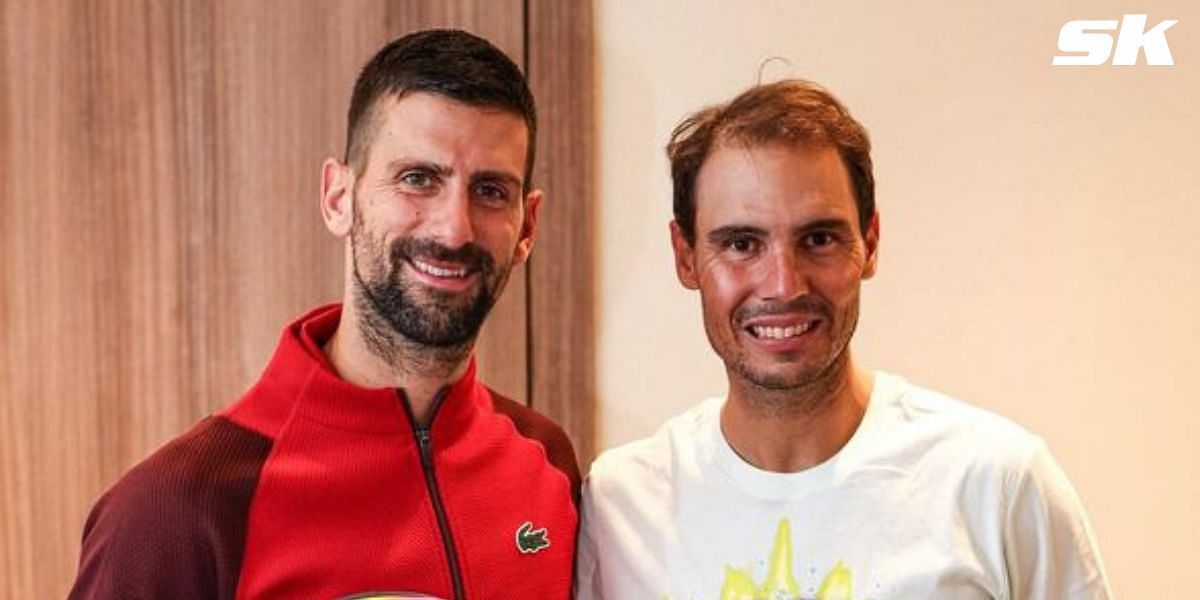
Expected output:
(656, 457)
(197, 471)
(535, 426)
(933, 420)
(173, 526)
(529, 422)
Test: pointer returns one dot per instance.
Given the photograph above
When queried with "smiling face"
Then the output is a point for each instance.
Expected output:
(778, 260)
(438, 217)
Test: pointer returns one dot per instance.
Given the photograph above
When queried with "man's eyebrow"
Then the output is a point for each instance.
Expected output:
(838, 225)
(501, 176)
(722, 234)
(401, 165)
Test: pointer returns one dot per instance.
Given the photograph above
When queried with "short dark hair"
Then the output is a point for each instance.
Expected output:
(792, 111)
(448, 62)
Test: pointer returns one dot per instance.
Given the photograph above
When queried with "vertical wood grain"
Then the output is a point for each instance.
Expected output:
(10, 494)
(561, 274)
(159, 226)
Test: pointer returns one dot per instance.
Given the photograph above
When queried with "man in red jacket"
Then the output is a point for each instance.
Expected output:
(368, 460)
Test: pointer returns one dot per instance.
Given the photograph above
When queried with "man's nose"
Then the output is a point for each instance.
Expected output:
(783, 276)
(449, 220)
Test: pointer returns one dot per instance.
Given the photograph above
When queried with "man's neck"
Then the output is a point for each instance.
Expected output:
(421, 374)
(792, 430)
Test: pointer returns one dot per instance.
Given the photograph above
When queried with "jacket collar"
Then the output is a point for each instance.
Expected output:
(299, 382)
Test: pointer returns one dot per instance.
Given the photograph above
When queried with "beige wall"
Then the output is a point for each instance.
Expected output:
(1039, 230)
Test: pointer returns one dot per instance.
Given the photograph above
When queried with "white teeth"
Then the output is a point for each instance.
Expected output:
(438, 271)
(780, 333)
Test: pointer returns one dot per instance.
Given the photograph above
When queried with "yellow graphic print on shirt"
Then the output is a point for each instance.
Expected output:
(780, 583)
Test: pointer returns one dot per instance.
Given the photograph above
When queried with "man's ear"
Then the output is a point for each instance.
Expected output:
(871, 239)
(533, 206)
(337, 198)
(685, 258)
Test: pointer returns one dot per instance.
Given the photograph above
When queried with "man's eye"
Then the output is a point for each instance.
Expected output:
(819, 239)
(741, 245)
(491, 191)
(416, 179)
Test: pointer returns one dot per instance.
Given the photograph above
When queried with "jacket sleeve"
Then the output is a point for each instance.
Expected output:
(1050, 551)
(175, 525)
(137, 544)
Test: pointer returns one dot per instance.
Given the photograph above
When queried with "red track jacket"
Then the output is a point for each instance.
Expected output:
(310, 487)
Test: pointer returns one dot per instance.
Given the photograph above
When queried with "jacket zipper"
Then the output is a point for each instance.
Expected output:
(425, 449)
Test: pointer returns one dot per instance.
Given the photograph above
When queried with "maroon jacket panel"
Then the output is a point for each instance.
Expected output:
(175, 525)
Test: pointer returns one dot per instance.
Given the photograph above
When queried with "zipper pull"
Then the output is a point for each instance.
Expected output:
(425, 443)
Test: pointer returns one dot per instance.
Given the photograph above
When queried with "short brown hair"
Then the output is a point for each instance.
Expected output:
(793, 111)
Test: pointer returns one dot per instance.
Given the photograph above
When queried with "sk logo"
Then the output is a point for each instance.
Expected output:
(530, 540)
(1080, 37)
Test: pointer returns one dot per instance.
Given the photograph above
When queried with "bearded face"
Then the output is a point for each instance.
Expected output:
(389, 277)
(440, 216)
(779, 259)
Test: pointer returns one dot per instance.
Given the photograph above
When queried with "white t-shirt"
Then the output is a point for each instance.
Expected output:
(930, 498)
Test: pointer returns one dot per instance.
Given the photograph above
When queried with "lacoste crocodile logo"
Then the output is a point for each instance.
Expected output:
(530, 540)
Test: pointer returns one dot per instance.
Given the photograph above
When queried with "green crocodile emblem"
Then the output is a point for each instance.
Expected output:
(530, 540)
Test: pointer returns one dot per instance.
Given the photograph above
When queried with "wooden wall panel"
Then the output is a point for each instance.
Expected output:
(159, 226)
(561, 273)
(11, 495)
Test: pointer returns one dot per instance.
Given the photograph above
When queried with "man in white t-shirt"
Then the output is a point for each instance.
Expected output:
(814, 478)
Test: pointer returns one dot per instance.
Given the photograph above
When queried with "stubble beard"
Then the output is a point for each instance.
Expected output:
(778, 393)
(410, 327)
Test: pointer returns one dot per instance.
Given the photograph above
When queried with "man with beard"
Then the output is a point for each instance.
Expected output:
(814, 478)
(368, 460)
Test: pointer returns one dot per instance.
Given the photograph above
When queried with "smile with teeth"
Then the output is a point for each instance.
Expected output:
(771, 332)
(444, 273)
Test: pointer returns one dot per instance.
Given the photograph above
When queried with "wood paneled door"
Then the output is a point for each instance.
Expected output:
(159, 164)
